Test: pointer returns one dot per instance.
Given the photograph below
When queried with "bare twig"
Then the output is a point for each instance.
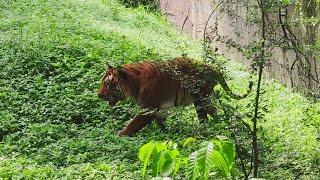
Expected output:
(207, 22)
(185, 20)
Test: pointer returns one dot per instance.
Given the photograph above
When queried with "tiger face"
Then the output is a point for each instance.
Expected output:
(110, 89)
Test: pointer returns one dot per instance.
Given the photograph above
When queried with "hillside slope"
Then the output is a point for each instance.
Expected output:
(52, 56)
(53, 126)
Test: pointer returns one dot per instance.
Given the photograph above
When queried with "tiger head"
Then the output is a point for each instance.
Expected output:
(110, 89)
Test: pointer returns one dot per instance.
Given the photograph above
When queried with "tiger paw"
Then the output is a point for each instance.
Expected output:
(121, 133)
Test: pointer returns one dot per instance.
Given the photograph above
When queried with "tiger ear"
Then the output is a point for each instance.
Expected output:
(122, 73)
(108, 66)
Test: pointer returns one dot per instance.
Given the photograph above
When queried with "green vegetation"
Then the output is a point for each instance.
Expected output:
(214, 159)
(164, 157)
(53, 126)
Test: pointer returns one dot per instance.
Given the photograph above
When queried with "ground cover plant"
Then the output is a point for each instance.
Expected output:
(53, 126)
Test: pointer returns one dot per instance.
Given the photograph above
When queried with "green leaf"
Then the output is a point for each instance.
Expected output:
(205, 159)
(227, 150)
(169, 165)
(177, 165)
(56, 64)
(193, 168)
(155, 164)
(163, 160)
(145, 153)
(220, 164)
(218, 143)
(188, 140)
(144, 149)
(175, 153)
(161, 146)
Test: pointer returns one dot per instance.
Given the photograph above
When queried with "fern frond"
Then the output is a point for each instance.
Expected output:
(193, 168)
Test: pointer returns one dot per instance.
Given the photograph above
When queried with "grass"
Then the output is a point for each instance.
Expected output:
(53, 126)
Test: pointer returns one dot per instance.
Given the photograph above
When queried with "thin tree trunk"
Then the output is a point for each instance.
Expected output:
(260, 60)
(254, 132)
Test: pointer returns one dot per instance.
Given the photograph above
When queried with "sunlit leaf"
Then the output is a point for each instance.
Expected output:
(188, 140)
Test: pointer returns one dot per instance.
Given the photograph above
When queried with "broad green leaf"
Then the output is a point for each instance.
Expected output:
(188, 140)
(144, 149)
(161, 146)
(175, 153)
(145, 153)
(227, 150)
(169, 165)
(162, 160)
(205, 159)
(218, 143)
(177, 165)
(220, 163)
(155, 164)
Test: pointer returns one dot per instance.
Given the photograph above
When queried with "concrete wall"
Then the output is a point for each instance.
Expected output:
(189, 15)
(192, 15)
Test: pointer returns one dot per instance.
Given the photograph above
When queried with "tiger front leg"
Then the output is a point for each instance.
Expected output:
(137, 123)
(160, 120)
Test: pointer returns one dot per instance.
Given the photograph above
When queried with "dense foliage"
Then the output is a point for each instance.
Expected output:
(214, 159)
(52, 125)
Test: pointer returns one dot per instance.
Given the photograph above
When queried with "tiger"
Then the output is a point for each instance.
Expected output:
(157, 86)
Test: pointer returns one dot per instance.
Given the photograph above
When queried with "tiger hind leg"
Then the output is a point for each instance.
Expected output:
(137, 123)
(204, 108)
(212, 110)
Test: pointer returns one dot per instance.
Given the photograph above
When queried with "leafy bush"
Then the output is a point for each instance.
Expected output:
(151, 4)
(210, 161)
(214, 159)
(164, 156)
